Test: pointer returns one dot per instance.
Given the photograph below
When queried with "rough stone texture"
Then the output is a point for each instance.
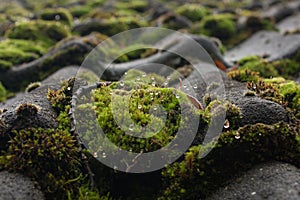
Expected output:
(16, 186)
(274, 180)
(281, 10)
(253, 109)
(267, 44)
(290, 24)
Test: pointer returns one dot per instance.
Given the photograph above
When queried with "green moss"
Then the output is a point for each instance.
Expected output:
(142, 100)
(79, 11)
(243, 75)
(286, 68)
(5, 65)
(235, 151)
(290, 92)
(49, 156)
(3, 93)
(221, 26)
(138, 5)
(45, 33)
(15, 51)
(59, 14)
(194, 12)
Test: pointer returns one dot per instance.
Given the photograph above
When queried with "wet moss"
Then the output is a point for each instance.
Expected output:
(59, 14)
(45, 33)
(220, 25)
(194, 12)
(235, 151)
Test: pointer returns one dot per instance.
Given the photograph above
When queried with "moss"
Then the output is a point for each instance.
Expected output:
(15, 51)
(266, 91)
(256, 23)
(235, 151)
(194, 12)
(45, 33)
(286, 67)
(141, 102)
(3, 93)
(79, 11)
(290, 92)
(138, 5)
(50, 157)
(5, 65)
(243, 75)
(58, 14)
(32, 86)
(221, 26)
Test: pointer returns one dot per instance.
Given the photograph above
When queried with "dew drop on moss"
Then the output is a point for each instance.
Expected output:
(237, 136)
(226, 124)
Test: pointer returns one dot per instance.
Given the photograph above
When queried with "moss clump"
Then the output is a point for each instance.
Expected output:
(143, 104)
(3, 93)
(194, 12)
(266, 91)
(79, 11)
(44, 33)
(221, 26)
(286, 68)
(255, 23)
(290, 92)
(137, 5)
(49, 156)
(196, 177)
(15, 51)
(59, 14)
(243, 75)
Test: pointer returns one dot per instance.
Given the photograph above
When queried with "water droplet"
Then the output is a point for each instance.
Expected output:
(57, 17)
(69, 88)
(155, 108)
(125, 73)
(166, 83)
(195, 86)
(226, 124)
(95, 154)
(130, 150)
(144, 74)
(253, 193)
(177, 96)
(122, 83)
(153, 83)
(152, 78)
(115, 167)
(151, 93)
(103, 155)
(184, 86)
(254, 87)
(168, 78)
(156, 93)
(111, 93)
(139, 107)
(131, 127)
(237, 136)
(138, 78)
